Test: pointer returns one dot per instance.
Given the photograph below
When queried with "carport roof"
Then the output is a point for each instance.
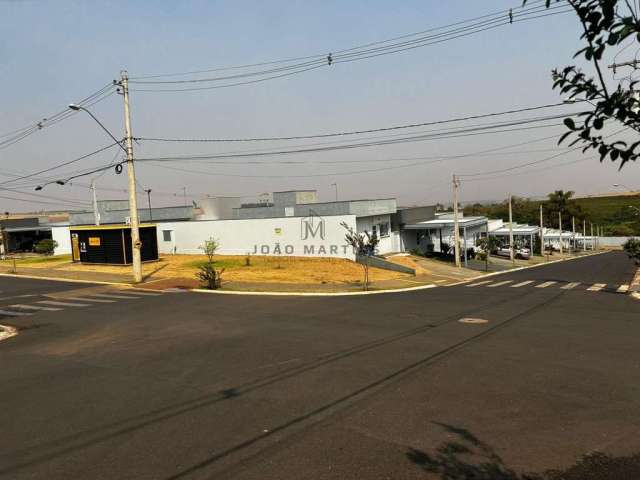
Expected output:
(28, 229)
(447, 223)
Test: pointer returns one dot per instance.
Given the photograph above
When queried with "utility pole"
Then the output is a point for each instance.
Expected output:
(335, 185)
(560, 225)
(184, 195)
(133, 202)
(593, 244)
(148, 192)
(541, 233)
(512, 255)
(94, 201)
(456, 225)
(488, 252)
(573, 225)
(584, 235)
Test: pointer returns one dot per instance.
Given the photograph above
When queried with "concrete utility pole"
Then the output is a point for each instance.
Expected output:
(560, 225)
(456, 225)
(133, 202)
(573, 225)
(541, 233)
(94, 201)
(335, 185)
(584, 235)
(593, 244)
(512, 255)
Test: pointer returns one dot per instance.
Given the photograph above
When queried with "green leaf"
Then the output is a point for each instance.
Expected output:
(570, 123)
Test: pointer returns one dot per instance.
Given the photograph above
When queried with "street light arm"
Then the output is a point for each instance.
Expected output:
(78, 107)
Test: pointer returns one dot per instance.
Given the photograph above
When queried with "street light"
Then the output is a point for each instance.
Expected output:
(77, 108)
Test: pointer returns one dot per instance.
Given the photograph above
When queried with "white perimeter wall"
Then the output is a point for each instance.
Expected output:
(63, 237)
(269, 236)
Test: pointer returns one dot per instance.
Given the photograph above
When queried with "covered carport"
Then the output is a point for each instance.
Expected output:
(24, 239)
(521, 234)
(443, 228)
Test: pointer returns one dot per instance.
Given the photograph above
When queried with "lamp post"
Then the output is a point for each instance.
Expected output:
(136, 244)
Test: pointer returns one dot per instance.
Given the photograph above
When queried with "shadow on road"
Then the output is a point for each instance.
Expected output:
(468, 458)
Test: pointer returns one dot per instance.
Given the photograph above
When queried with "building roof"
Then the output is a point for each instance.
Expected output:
(447, 223)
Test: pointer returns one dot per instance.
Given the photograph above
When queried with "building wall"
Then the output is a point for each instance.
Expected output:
(62, 236)
(388, 242)
(218, 208)
(272, 236)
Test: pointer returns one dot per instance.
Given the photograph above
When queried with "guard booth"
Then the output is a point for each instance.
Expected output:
(111, 244)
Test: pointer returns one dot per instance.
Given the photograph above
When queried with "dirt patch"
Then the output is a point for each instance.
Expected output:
(242, 269)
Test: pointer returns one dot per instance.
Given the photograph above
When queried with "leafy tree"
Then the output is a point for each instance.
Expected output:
(208, 273)
(632, 247)
(606, 24)
(364, 245)
(46, 246)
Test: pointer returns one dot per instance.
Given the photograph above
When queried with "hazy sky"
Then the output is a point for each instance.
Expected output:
(56, 52)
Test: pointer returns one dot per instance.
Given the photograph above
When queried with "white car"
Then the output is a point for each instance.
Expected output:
(519, 252)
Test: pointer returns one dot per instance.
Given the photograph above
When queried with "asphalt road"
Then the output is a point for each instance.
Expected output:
(195, 386)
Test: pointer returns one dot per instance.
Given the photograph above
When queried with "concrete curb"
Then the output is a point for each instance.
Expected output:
(7, 332)
(314, 294)
(493, 274)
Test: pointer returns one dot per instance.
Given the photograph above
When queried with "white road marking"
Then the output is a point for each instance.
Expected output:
(87, 299)
(623, 289)
(522, 284)
(34, 307)
(63, 304)
(545, 284)
(479, 283)
(13, 314)
(570, 286)
(499, 284)
(596, 287)
(120, 297)
(154, 294)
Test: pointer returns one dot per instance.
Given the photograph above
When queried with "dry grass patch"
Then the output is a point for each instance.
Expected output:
(261, 269)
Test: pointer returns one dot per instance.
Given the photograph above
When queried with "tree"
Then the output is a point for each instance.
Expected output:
(208, 273)
(46, 246)
(632, 247)
(364, 245)
(605, 24)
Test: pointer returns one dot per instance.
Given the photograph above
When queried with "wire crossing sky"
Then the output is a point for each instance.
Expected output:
(304, 70)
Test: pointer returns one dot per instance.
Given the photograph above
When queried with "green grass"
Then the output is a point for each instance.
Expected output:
(32, 260)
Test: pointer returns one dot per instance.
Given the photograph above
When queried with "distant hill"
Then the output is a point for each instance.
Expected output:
(609, 210)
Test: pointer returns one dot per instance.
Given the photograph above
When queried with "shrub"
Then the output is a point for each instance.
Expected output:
(208, 273)
(632, 247)
(46, 246)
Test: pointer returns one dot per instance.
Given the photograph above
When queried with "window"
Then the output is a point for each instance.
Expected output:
(384, 229)
(166, 235)
(289, 211)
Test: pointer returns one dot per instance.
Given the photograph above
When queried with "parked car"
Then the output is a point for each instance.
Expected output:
(519, 252)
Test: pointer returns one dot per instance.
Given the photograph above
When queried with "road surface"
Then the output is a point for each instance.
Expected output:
(203, 386)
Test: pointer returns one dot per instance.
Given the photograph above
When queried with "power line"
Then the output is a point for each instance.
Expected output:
(17, 135)
(416, 138)
(60, 165)
(353, 132)
(326, 61)
(324, 54)
(535, 162)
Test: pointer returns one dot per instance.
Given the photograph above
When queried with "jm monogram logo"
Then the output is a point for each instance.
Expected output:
(312, 227)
